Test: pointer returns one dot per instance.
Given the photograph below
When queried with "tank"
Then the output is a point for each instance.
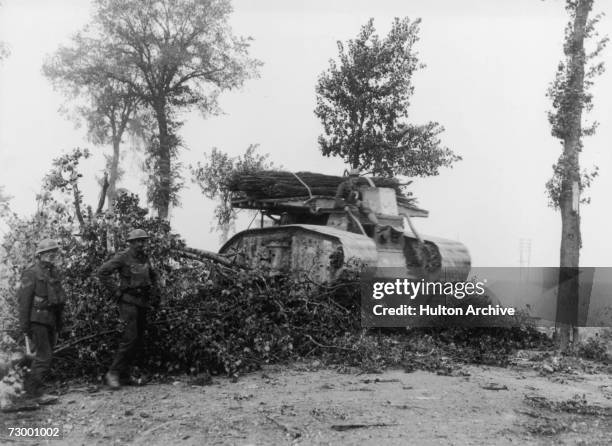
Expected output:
(309, 235)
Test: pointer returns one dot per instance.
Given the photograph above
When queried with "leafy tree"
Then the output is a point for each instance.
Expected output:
(214, 174)
(571, 96)
(363, 101)
(108, 108)
(173, 55)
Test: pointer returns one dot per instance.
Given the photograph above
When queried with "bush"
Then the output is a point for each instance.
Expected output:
(594, 349)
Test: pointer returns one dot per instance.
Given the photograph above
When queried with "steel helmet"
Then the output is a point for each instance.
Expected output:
(137, 234)
(354, 173)
(47, 244)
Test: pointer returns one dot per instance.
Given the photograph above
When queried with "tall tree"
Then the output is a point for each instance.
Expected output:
(173, 55)
(107, 108)
(571, 97)
(363, 101)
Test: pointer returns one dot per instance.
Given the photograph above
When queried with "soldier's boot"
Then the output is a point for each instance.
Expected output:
(35, 392)
(112, 380)
(126, 379)
(33, 387)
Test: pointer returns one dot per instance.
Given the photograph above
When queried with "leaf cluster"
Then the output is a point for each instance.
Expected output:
(64, 173)
(178, 51)
(363, 101)
(215, 173)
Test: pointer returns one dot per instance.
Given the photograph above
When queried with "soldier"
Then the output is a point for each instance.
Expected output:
(41, 300)
(136, 293)
(348, 197)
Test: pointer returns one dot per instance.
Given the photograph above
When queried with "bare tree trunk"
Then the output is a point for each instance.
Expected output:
(103, 193)
(225, 229)
(77, 204)
(164, 163)
(567, 299)
(113, 174)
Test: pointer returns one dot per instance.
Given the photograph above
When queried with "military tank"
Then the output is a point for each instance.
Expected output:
(308, 234)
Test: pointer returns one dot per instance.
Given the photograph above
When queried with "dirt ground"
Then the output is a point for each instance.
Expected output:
(526, 404)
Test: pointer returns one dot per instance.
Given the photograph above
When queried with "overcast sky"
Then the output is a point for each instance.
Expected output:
(489, 63)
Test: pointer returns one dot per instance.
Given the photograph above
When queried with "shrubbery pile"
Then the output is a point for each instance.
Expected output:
(227, 326)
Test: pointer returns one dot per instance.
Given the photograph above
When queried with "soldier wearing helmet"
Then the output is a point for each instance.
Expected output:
(136, 293)
(41, 300)
(348, 197)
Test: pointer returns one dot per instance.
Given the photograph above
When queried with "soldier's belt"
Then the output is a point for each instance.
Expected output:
(137, 291)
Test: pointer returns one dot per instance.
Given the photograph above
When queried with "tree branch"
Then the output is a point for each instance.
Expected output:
(67, 345)
(77, 204)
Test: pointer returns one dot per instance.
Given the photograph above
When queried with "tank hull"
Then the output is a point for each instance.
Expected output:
(324, 252)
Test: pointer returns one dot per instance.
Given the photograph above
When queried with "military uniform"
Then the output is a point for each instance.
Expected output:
(137, 292)
(349, 195)
(41, 299)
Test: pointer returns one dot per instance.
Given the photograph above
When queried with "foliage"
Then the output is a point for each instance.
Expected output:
(64, 177)
(156, 188)
(230, 325)
(235, 323)
(108, 108)
(561, 170)
(89, 310)
(215, 173)
(172, 55)
(571, 94)
(67, 164)
(436, 349)
(594, 349)
(363, 102)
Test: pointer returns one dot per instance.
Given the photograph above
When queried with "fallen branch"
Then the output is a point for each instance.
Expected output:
(329, 346)
(378, 380)
(494, 386)
(346, 427)
(25, 408)
(291, 431)
(63, 347)
(199, 254)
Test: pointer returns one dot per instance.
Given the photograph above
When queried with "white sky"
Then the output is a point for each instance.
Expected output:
(489, 63)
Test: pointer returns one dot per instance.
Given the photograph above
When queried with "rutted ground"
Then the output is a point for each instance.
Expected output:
(305, 404)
